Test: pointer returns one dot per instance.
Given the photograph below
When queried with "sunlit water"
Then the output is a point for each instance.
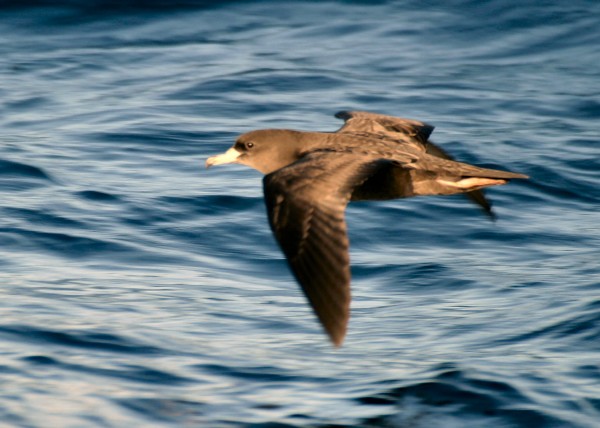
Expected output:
(138, 289)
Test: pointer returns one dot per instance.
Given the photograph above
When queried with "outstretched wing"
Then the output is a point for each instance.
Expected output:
(305, 203)
(390, 126)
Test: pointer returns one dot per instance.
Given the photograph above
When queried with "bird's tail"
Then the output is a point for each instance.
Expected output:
(472, 178)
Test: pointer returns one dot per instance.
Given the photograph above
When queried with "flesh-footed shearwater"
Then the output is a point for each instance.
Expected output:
(310, 177)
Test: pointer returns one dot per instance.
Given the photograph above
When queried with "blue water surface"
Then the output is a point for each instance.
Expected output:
(139, 289)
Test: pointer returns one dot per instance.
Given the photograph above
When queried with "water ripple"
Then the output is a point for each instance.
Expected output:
(92, 340)
(140, 289)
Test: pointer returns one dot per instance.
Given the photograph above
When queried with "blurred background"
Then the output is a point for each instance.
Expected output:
(139, 289)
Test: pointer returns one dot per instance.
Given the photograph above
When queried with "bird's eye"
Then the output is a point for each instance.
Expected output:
(249, 144)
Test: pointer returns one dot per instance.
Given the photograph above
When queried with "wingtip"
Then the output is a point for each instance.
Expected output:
(343, 114)
(337, 342)
(336, 336)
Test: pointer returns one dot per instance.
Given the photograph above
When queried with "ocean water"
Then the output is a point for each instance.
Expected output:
(139, 289)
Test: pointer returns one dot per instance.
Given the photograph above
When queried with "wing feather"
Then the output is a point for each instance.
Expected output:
(389, 126)
(305, 203)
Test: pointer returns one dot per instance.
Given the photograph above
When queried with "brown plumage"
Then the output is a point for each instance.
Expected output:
(311, 177)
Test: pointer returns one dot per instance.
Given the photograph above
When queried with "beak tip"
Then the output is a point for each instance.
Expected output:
(230, 156)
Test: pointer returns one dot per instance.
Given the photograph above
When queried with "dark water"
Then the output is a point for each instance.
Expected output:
(138, 289)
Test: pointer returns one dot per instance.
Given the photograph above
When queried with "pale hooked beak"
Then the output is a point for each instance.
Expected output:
(230, 156)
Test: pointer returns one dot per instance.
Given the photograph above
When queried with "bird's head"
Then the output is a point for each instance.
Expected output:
(265, 150)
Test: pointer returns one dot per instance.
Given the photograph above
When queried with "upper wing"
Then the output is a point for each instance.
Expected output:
(305, 203)
(394, 127)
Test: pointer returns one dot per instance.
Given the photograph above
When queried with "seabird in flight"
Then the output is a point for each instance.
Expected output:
(310, 177)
